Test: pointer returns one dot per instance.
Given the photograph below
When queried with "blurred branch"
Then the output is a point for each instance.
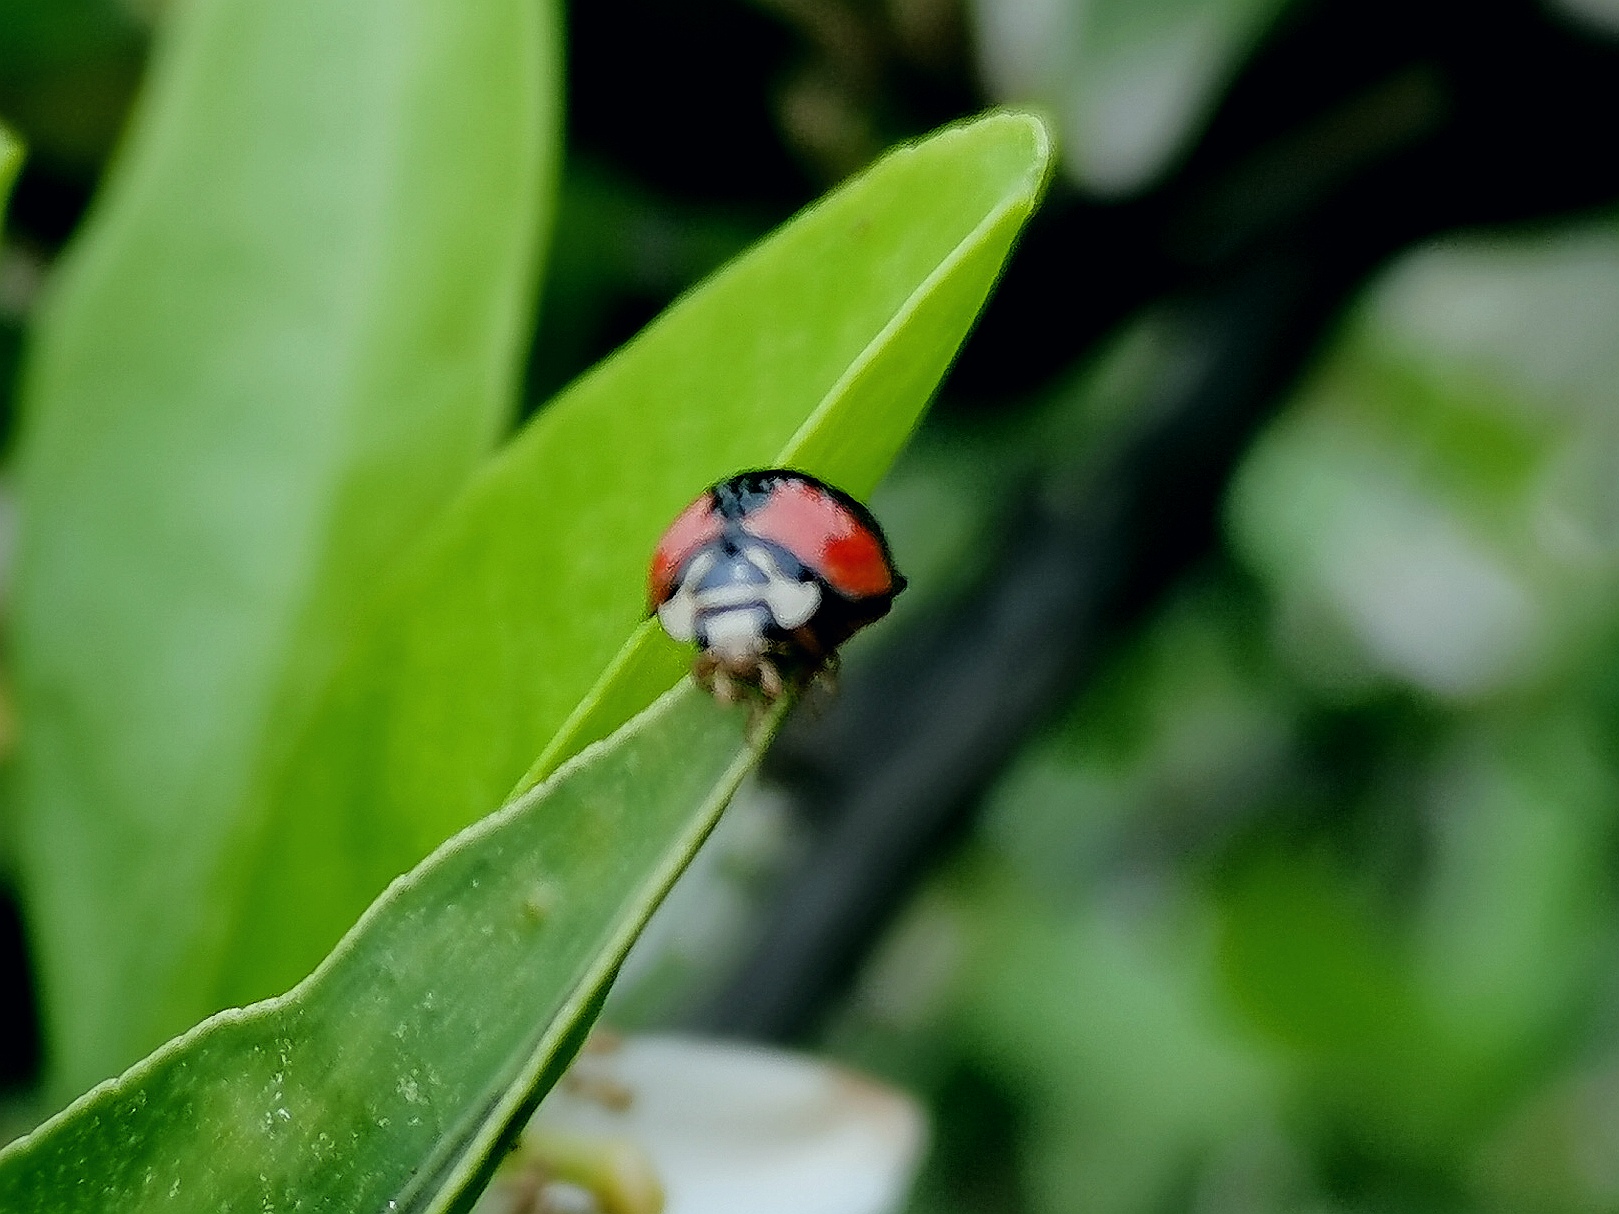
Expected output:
(894, 769)
(1361, 130)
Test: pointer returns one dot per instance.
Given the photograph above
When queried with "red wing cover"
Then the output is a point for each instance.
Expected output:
(826, 536)
(698, 524)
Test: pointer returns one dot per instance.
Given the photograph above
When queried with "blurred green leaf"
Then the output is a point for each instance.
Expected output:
(1438, 507)
(1106, 1011)
(517, 626)
(1516, 924)
(35, 32)
(287, 337)
(1320, 968)
(1128, 82)
(68, 71)
(393, 1077)
(12, 153)
(1313, 965)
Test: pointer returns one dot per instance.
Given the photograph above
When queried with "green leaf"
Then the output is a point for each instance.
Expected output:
(12, 153)
(287, 338)
(390, 1079)
(68, 69)
(818, 348)
(1309, 963)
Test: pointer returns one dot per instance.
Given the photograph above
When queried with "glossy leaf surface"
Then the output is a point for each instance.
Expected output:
(386, 1081)
(818, 348)
(286, 338)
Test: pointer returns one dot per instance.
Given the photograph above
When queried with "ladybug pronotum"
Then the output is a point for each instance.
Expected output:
(768, 573)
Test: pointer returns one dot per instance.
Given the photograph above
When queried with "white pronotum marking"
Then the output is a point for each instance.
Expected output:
(731, 627)
(678, 613)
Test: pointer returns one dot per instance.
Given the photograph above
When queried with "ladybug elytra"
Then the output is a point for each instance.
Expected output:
(768, 573)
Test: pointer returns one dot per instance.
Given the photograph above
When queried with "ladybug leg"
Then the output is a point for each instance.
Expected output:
(724, 686)
(826, 676)
(713, 677)
(770, 680)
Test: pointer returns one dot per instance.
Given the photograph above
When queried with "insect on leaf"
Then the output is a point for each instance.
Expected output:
(517, 628)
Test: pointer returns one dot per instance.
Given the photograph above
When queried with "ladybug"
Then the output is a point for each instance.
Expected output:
(769, 572)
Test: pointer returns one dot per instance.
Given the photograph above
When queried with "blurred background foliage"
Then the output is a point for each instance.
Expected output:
(1226, 820)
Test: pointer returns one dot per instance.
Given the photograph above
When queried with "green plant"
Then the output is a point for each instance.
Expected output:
(11, 158)
(281, 627)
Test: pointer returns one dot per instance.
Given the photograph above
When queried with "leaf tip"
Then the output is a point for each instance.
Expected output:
(1034, 132)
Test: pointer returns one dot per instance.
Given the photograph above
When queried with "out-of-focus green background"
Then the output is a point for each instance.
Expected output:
(1226, 819)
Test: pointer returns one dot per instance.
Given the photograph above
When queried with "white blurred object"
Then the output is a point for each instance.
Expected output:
(1536, 315)
(1427, 599)
(1129, 82)
(1335, 516)
(738, 1129)
(1441, 504)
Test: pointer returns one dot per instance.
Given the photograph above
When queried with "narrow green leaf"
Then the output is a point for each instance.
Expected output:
(819, 348)
(286, 339)
(11, 158)
(390, 1078)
